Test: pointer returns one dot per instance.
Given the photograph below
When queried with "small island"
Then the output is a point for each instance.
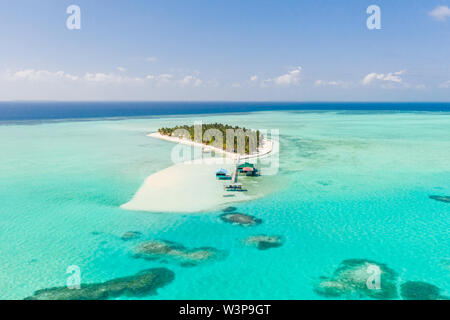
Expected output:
(193, 182)
(244, 141)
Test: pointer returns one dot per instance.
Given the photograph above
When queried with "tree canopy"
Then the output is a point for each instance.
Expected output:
(231, 138)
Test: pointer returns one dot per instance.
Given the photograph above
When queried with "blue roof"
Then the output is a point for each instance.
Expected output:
(222, 171)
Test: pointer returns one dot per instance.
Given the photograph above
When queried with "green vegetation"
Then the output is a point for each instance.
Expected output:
(240, 140)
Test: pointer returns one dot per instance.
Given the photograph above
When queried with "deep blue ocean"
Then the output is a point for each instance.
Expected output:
(18, 111)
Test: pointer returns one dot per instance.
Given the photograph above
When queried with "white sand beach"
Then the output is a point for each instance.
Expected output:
(191, 186)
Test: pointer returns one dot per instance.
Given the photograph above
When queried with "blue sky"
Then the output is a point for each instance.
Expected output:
(225, 50)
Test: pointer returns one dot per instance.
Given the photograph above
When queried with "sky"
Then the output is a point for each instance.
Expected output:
(225, 50)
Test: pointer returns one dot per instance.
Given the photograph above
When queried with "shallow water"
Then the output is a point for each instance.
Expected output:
(354, 185)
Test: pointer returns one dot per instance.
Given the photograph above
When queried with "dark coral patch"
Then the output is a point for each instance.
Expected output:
(188, 264)
(131, 235)
(240, 219)
(353, 279)
(324, 183)
(440, 198)
(168, 250)
(229, 209)
(418, 290)
(142, 284)
(264, 242)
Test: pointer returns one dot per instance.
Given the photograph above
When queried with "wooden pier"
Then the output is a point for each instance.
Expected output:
(234, 177)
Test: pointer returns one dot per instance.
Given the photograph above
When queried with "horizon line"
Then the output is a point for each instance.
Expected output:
(218, 101)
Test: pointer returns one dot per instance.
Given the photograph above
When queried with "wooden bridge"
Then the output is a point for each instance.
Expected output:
(234, 177)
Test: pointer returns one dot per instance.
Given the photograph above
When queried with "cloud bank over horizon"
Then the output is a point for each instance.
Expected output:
(313, 53)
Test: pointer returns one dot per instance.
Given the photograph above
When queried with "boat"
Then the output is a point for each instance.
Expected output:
(221, 172)
(234, 187)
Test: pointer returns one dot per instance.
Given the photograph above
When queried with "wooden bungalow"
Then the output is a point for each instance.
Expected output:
(241, 167)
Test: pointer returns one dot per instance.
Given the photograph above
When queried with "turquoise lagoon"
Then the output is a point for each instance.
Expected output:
(353, 185)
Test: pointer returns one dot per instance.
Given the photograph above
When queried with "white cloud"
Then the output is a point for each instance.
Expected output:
(445, 84)
(440, 13)
(39, 75)
(191, 81)
(151, 59)
(324, 83)
(109, 78)
(319, 83)
(184, 81)
(164, 78)
(102, 77)
(49, 76)
(121, 69)
(393, 77)
(292, 77)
